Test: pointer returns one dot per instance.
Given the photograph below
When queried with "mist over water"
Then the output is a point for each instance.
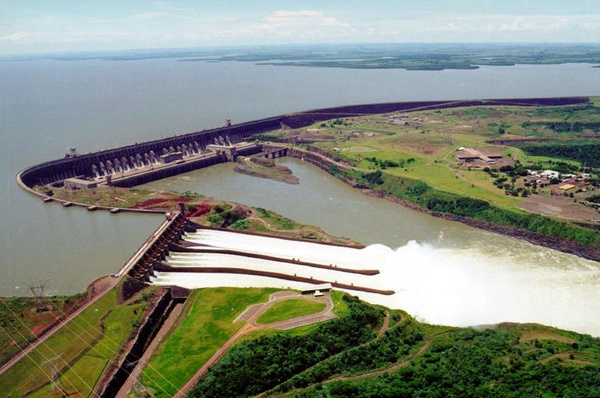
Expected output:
(449, 286)
(470, 287)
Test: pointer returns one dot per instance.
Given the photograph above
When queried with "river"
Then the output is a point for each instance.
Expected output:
(443, 272)
(48, 106)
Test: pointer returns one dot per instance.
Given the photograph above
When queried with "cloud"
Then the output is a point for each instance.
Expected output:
(294, 26)
(304, 18)
(15, 37)
(519, 24)
(145, 16)
(148, 15)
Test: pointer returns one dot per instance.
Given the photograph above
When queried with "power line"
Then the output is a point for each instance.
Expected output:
(102, 344)
(38, 350)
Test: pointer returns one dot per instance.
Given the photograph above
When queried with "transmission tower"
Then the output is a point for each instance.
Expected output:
(38, 293)
(55, 381)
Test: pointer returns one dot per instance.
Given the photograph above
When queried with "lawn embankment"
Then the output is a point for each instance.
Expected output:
(207, 324)
(289, 309)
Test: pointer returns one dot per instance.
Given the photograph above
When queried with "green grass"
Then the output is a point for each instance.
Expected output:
(81, 344)
(340, 307)
(18, 316)
(289, 309)
(470, 183)
(207, 326)
(276, 221)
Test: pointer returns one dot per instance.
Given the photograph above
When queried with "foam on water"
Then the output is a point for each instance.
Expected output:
(470, 287)
(461, 287)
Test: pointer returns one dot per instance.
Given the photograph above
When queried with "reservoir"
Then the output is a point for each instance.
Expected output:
(48, 106)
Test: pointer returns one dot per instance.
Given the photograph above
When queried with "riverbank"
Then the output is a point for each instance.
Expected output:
(341, 172)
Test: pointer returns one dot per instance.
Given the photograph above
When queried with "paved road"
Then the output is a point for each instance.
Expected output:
(251, 315)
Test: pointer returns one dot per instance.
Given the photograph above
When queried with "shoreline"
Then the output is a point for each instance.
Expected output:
(550, 242)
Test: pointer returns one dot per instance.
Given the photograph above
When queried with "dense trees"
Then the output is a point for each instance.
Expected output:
(586, 154)
(487, 363)
(565, 127)
(263, 363)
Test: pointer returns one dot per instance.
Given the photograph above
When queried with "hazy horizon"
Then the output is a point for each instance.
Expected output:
(37, 26)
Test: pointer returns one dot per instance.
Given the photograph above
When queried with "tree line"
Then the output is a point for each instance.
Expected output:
(421, 194)
(586, 154)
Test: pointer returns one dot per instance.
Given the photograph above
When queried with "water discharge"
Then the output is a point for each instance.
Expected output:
(451, 286)
(470, 287)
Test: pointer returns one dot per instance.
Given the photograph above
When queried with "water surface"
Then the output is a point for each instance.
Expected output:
(47, 106)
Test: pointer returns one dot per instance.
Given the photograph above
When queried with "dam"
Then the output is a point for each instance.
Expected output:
(178, 247)
(139, 163)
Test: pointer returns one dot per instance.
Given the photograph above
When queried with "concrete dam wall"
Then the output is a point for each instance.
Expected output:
(187, 152)
(192, 147)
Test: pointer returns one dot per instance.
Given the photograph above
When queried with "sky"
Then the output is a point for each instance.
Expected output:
(34, 26)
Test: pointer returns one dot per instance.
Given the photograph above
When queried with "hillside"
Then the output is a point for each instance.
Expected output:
(373, 351)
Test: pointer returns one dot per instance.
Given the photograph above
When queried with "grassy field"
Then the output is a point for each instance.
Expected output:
(206, 325)
(289, 309)
(423, 145)
(79, 352)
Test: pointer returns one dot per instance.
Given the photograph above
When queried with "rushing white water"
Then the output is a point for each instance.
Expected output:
(439, 285)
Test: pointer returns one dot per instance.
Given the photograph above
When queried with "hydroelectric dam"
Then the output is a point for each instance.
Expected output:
(176, 246)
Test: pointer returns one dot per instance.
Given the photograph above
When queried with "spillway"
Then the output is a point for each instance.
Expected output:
(341, 256)
(300, 264)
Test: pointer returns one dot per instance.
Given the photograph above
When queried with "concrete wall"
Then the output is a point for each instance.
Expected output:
(91, 163)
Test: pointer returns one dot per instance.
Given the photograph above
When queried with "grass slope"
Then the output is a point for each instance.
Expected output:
(206, 326)
(80, 351)
(289, 309)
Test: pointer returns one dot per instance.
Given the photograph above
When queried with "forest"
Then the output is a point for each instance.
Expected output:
(587, 154)
(345, 357)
